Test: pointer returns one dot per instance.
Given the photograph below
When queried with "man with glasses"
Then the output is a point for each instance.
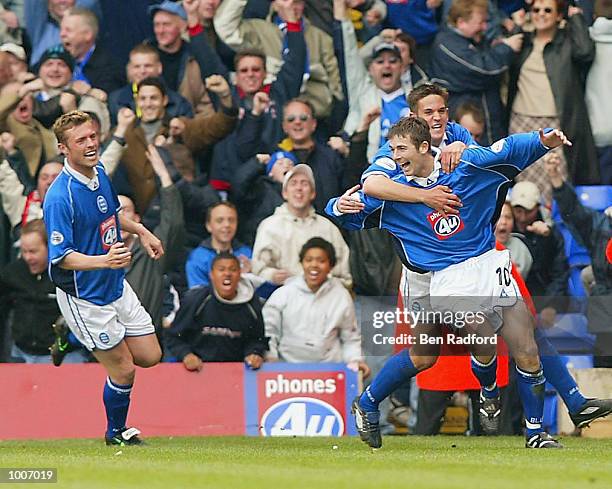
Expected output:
(328, 166)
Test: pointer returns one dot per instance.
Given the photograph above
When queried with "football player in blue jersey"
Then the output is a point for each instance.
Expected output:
(459, 250)
(81, 213)
(428, 101)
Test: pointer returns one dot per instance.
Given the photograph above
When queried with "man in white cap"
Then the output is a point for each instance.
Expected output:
(281, 236)
(547, 279)
(17, 58)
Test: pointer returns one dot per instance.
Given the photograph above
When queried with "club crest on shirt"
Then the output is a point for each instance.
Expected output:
(108, 232)
(56, 238)
(444, 227)
(102, 205)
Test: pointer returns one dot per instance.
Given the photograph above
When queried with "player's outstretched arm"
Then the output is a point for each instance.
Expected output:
(554, 138)
(148, 240)
(439, 198)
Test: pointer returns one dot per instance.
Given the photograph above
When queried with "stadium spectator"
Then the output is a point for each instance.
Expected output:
(92, 64)
(328, 166)
(144, 63)
(259, 128)
(27, 291)
(281, 236)
(195, 134)
(12, 22)
(412, 73)
(43, 24)
(546, 89)
(21, 206)
(471, 116)
(200, 15)
(17, 60)
(221, 223)
(55, 93)
(594, 229)
(521, 256)
(471, 67)
(379, 86)
(416, 18)
(144, 274)
(257, 190)
(597, 87)
(547, 279)
(322, 84)
(312, 317)
(36, 142)
(219, 323)
(181, 71)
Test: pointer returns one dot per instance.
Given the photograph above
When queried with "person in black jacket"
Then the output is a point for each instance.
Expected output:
(257, 190)
(471, 67)
(222, 323)
(28, 293)
(93, 65)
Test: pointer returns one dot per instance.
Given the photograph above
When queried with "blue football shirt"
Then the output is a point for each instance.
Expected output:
(431, 242)
(81, 215)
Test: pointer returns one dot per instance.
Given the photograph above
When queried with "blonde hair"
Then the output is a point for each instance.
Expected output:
(68, 121)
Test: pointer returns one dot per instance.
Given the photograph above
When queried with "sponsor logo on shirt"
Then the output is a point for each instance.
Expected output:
(444, 227)
(497, 146)
(108, 232)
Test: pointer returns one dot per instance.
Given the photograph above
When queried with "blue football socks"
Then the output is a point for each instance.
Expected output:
(531, 389)
(116, 403)
(486, 373)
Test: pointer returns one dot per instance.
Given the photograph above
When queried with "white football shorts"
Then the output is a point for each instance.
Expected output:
(480, 284)
(103, 327)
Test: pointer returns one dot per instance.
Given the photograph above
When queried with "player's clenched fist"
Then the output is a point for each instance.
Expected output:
(118, 256)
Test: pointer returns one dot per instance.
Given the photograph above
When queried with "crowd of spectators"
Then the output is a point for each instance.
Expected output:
(227, 125)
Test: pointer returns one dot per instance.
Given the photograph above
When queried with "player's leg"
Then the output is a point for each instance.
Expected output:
(518, 334)
(398, 369)
(121, 371)
(145, 350)
(483, 363)
(582, 410)
(139, 330)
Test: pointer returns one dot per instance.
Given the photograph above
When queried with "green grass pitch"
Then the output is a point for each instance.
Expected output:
(296, 463)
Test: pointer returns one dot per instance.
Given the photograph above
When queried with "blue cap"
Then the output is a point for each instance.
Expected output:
(277, 156)
(170, 7)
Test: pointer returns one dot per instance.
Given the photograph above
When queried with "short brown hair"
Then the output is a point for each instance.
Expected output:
(425, 90)
(249, 52)
(89, 18)
(211, 208)
(36, 226)
(409, 41)
(463, 9)
(470, 108)
(303, 101)
(67, 121)
(603, 8)
(414, 128)
(144, 48)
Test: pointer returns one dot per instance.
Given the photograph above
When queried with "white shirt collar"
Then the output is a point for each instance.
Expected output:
(388, 97)
(433, 176)
(90, 183)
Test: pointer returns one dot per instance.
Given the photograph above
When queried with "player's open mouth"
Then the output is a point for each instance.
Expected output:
(387, 75)
(227, 282)
(314, 273)
(437, 126)
(91, 154)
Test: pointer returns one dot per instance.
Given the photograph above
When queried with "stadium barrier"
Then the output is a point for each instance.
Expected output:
(280, 399)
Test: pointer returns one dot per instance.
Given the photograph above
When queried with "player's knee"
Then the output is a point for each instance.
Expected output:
(152, 358)
(124, 373)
